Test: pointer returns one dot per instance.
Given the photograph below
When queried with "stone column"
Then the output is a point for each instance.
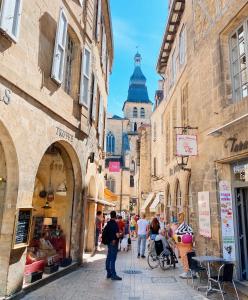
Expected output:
(90, 243)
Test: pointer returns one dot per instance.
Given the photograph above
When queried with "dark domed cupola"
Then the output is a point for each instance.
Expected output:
(137, 91)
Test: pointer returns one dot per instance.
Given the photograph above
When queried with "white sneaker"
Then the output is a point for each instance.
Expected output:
(184, 275)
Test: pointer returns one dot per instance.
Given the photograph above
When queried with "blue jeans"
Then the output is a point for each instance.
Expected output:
(111, 258)
(97, 237)
(141, 244)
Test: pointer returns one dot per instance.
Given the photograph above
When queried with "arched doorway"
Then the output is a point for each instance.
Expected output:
(53, 201)
(9, 184)
(178, 199)
(3, 181)
(168, 208)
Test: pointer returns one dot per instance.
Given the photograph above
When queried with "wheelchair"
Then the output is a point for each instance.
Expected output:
(158, 256)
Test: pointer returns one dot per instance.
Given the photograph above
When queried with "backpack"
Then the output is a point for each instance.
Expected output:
(105, 237)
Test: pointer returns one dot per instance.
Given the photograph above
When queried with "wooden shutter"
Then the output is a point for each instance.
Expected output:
(59, 48)
(107, 73)
(10, 18)
(100, 121)
(85, 78)
(94, 102)
(104, 49)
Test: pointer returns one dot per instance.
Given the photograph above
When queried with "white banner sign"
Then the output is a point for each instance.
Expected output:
(227, 220)
(186, 145)
(204, 214)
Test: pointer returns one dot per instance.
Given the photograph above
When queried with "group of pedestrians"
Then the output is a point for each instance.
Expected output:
(117, 228)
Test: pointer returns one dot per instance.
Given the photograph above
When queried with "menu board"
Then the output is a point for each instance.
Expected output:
(204, 214)
(22, 228)
(226, 206)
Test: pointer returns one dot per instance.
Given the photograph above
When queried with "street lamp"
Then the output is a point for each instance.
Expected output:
(182, 162)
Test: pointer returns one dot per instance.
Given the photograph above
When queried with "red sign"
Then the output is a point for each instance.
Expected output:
(114, 166)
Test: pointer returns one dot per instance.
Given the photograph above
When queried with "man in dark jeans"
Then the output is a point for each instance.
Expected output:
(113, 239)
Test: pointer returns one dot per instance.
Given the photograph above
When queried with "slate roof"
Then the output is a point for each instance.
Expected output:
(137, 91)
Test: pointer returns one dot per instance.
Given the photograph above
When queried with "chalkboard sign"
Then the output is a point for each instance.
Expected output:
(22, 228)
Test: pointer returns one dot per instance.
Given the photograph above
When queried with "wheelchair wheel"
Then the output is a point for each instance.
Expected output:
(152, 260)
(164, 262)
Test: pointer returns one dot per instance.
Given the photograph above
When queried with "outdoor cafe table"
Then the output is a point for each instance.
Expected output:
(208, 260)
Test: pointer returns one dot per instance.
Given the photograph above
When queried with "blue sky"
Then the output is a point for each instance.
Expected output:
(135, 23)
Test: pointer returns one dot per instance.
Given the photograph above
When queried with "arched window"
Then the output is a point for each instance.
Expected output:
(110, 143)
(135, 112)
(142, 112)
(110, 184)
(131, 181)
(190, 202)
(135, 127)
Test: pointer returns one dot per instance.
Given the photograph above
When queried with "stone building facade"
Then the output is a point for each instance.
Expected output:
(203, 61)
(55, 62)
(122, 136)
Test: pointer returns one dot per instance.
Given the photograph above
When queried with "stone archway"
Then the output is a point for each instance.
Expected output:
(9, 169)
(74, 181)
(53, 197)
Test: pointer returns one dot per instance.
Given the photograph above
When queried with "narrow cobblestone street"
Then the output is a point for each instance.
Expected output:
(89, 282)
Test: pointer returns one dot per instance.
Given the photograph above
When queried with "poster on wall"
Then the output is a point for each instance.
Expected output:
(114, 166)
(186, 145)
(227, 220)
(204, 214)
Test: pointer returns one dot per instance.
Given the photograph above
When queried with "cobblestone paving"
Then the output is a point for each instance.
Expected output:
(89, 282)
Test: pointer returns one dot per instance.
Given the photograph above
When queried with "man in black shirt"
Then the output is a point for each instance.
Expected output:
(113, 235)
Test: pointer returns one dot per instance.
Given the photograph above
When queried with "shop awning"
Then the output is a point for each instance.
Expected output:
(102, 201)
(148, 201)
(156, 202)
(109, 195)
(106, 203)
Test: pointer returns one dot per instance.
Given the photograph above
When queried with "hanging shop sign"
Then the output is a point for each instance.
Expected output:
(204, 214)
(186, 145)
(114, 166)
(227, 220)
(22, 227)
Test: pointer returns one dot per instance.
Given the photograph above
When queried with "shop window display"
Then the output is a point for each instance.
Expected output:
(49, 246)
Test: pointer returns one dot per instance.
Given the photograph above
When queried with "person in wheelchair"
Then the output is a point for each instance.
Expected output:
(162, 245)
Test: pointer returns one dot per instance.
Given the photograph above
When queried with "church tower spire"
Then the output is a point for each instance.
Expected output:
(137, 59)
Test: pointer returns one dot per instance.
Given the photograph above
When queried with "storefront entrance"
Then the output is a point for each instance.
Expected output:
(50, 236)
(240, 183)
(242, 222)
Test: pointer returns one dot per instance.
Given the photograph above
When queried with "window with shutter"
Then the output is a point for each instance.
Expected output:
(104, 49)
(10, 18)
(100, 121)
(94, 103)
(59, 48)
(85, 78)
(69, 53)
(107, 73)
